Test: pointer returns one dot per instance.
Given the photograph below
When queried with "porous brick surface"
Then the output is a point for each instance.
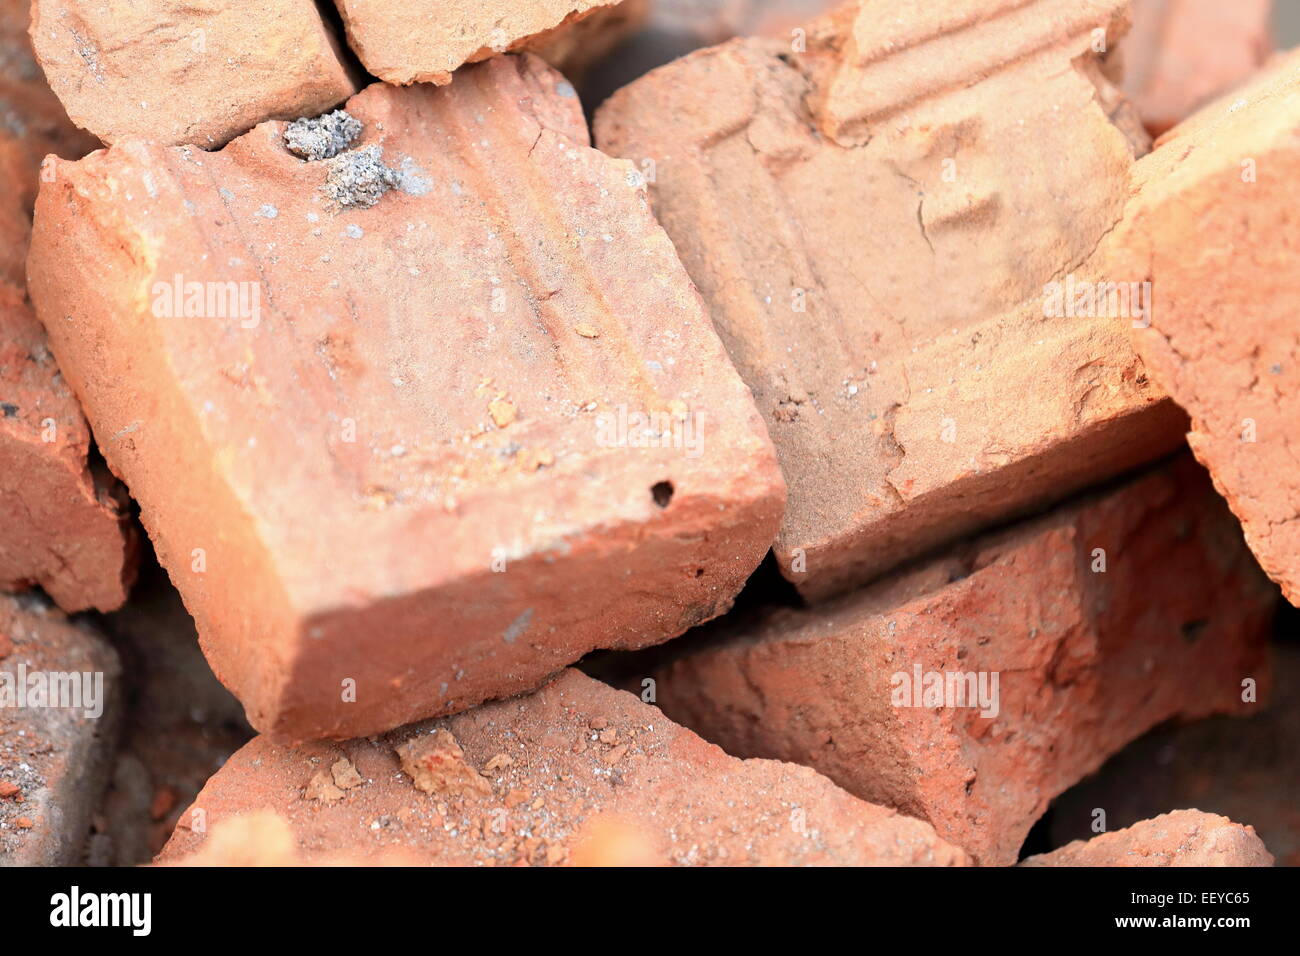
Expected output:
(476, 425)
(172, 71)
(576, 772)
(1180, 838)
(424, 41)
(1088, 657)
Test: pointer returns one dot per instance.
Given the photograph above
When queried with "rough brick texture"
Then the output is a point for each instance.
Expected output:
(424, 41)
(576, 772)
(179, 72)
(1182, 53)
(61, 527)
(32, 125)
(1180, 838)
(1214, 231)
(409, 469)
(874, 231)
(1087, 660)
(53, 760)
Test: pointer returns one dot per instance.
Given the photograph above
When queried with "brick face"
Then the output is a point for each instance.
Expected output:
(874, 241)
(1087, 660)
(418, 467)
(176, 72)
(576, 772)
(1212, 229)
(424, 41)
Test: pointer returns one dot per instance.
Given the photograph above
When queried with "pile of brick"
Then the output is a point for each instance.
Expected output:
(426, 391)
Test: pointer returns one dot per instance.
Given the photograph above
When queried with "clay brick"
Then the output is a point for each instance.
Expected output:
(64, 528)
(1181, 54)
(1180, 838)
(32, 125)
(875, 234)
(555, 793)
(1086, 660)
(179, 72)
(56, 757)
(409, 470)
(424, 41)
(1242, 768)
(1211, 228)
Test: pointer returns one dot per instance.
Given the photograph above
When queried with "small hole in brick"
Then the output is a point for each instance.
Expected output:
(662, 492)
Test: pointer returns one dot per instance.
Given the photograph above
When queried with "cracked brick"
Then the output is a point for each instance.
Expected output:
(874, 223)
(670, 799)
(1087, 656)
(331, 479)
(1212, 227)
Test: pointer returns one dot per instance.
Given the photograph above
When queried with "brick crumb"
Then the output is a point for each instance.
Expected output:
(322, 137)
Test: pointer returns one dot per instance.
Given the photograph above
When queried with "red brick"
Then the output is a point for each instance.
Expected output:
(57, 757)
(1182, 53)
(64, 527)
(33, 126)
(1180, 838)
(1211, 228)
(918, 217)
(442, 324)
(424, 41)
(1242, 768)
(179, 72)
(554, 795)
(1086, 661)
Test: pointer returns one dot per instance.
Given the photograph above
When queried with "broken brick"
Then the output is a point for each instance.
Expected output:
(64, 526)
(1240, 767)
(56, 739)
(1084, 617)
(1180, 54)
(362, 538)
(1210, 227)
(424, 41)
(690, 802)
(916, 386)
(177, 72)
(1180, 838)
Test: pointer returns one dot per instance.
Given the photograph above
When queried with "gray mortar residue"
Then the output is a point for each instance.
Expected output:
(358, 178)
(323, 137)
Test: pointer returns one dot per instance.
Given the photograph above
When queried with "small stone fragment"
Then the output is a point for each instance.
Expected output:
(322, 787)
(345, 775)
(322, 137)
(436, 764)
(358, 178)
